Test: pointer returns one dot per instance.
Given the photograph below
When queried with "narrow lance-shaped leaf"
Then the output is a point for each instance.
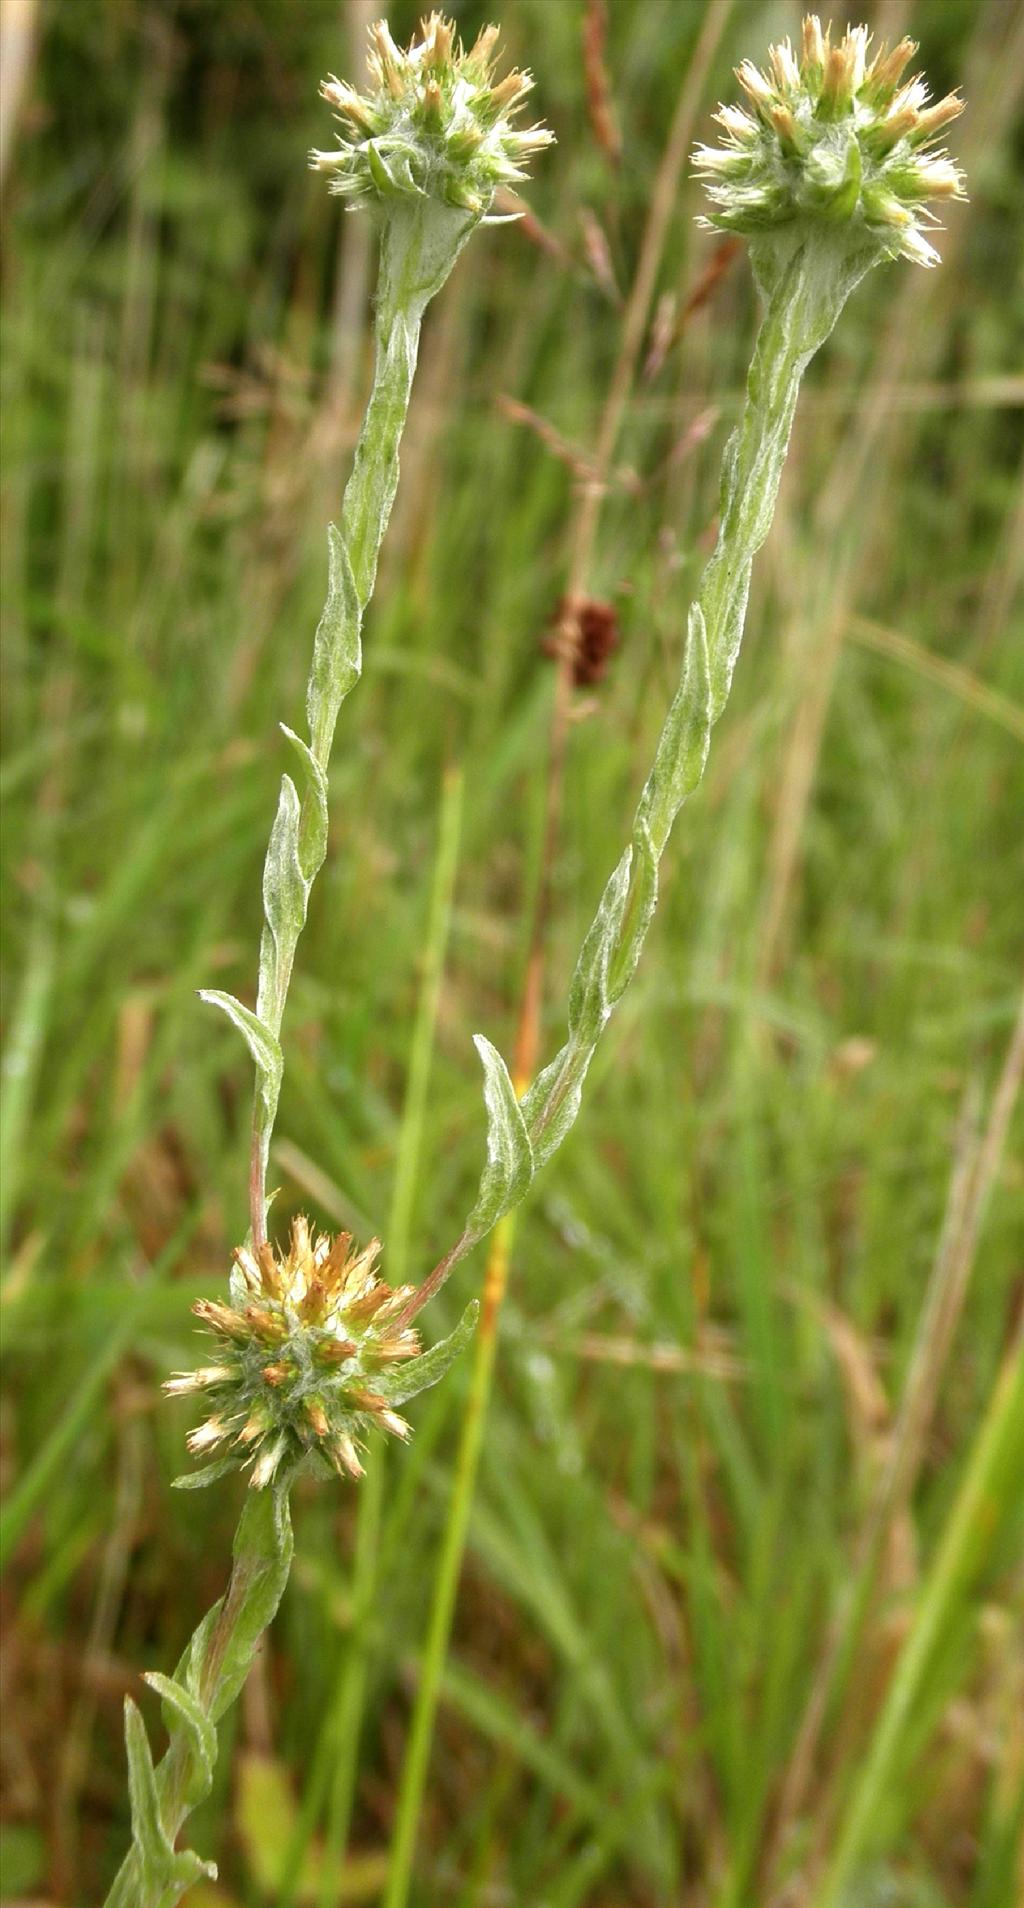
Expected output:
(337, 651)
(683, 745)
(262, 1044)
(285, 895)
(147, 1828)
(404, 1382)
(509, 1167)
(313, 830)
(263, 1554)
(553, 1101)
(206, 1474)
(182, 1712)
(589, 1004)
(163, 1873)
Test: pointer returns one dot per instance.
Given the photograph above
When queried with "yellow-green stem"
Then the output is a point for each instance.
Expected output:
(994, 1469)
(446, 1580)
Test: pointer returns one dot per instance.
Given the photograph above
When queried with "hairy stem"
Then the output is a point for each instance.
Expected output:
(208, 1678)
(805, 281)
(419, 246)
(582, 541)
(420, 242)
(803, 303)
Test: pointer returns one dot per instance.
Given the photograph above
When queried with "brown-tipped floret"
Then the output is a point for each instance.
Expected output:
(308, 1356)
(436, 126)
(835, 141)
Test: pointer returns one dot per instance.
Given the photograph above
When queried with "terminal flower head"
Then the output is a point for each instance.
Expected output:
(832, 136)
(311, 1355)
(436, 123)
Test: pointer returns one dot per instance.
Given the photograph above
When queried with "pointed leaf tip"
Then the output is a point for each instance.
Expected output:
(509, 1168)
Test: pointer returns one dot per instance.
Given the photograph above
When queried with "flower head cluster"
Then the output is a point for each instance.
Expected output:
(833, 138)
(434, 126)
(308, 1356)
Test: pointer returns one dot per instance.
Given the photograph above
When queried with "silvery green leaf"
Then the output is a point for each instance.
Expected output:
(148, 1832)
(189, 1669)
(589, 1003)
(643, 899)
(509, 1167)
(163, 1872)
(262, 1044)
(285, 890)
(186, 1868)
(337, 655)
(206, 1474)
(683, 746)
(313, 828)
(553, 1101)
(263, 1553)
(402, 1383)
(188, 1714)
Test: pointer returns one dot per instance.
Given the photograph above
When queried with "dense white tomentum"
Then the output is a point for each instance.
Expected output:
(309, 1355)
(830, 176)
(427, 149)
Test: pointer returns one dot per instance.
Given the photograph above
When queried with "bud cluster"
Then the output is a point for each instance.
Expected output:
(434, 126)
(306, 1353)
(835, 139)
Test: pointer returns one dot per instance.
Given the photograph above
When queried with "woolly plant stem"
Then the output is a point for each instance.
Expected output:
(804, 285)
(419, 246)
(211, 1672)
(804, 295)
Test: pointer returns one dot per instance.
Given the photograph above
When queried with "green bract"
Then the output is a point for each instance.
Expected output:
(434, 127)
(835, 140)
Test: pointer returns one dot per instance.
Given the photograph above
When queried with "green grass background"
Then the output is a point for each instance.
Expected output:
(719, 1287)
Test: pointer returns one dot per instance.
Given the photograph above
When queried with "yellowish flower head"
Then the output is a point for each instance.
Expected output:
(308, 1358)
(436, 124)
(834, 138)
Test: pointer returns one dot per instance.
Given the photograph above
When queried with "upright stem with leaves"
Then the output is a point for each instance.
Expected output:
(498, 1266)
(828, 177)
(805, 268)
(419, 246)
(311, 1354)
